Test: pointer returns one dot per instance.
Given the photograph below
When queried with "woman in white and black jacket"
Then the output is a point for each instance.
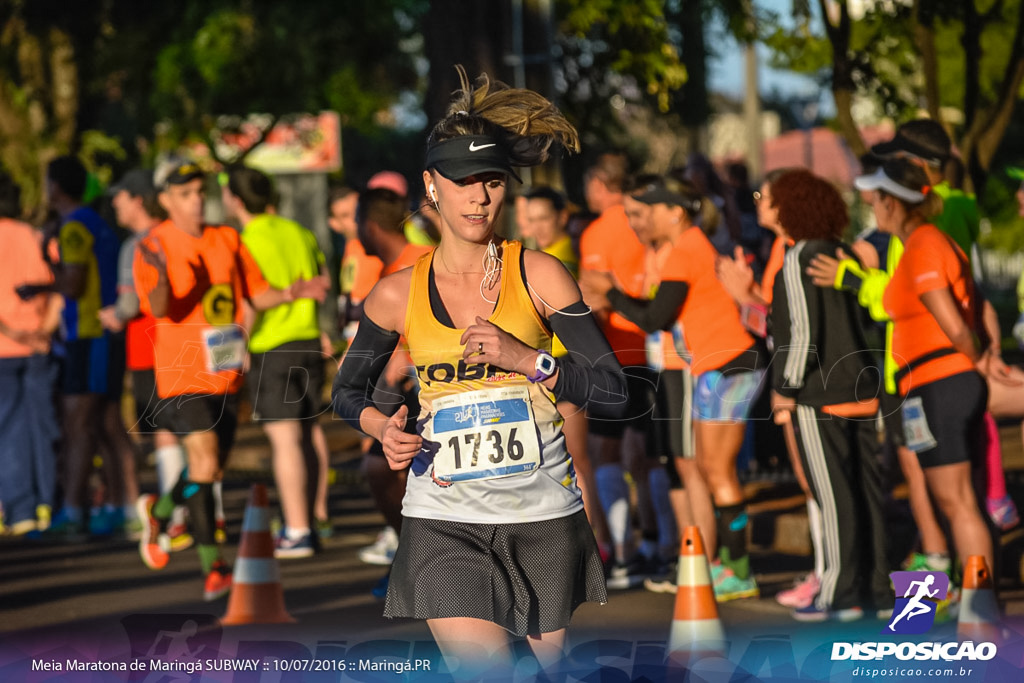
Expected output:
(824, 373)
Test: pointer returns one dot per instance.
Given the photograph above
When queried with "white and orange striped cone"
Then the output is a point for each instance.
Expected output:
(979, 613)
(696, 629)
(256, 593)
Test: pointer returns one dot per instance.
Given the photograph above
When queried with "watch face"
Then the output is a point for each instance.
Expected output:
(545, 365)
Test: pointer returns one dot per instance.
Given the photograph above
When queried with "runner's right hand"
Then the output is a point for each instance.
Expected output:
(154, 257)
(399, 447)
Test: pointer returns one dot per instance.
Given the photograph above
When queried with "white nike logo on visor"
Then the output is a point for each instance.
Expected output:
(473, 147)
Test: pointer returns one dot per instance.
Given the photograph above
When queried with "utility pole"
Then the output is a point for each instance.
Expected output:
(752, 99)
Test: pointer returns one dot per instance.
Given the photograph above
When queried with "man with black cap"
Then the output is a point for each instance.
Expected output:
(134, 200)
(192, 278)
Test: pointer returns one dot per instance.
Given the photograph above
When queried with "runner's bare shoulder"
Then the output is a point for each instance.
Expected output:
(385, 305)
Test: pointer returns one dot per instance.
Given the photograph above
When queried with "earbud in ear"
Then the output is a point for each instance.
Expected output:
(433, 193)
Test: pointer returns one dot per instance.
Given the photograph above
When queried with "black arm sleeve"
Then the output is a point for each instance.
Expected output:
(593, 379)
(655, 314)
(360, 368)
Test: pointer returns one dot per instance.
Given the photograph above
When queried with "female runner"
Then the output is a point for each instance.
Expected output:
(495, 541)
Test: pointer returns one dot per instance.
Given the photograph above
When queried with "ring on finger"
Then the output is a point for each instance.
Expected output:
(480, 347)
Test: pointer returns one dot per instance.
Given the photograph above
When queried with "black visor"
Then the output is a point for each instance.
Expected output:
(657, 193)
(903, 145)
(469, 155)
(183, 173)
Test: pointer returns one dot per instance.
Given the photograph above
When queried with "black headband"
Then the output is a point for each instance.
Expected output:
(469, 155)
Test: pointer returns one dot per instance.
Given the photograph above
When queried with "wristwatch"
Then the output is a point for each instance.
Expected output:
(543, 368)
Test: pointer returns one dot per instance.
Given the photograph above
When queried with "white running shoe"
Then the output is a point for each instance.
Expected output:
(383, 549)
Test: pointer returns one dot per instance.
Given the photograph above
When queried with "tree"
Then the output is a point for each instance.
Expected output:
(39, 89)
(225, 60)
(934, 55)
(145, 75)
(613, 52)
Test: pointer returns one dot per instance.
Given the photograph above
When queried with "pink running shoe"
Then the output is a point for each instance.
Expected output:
(801, 594)
(1003, 512)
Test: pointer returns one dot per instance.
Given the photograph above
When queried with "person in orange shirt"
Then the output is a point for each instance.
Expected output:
(724, 358)
(134, 200)
(933, 305)
(341, 219)
(359, 271)
(755, 300)
(380, 220)
(736, 274)
(28, 423)
(671, 437)
(192, 277)
(609, 245)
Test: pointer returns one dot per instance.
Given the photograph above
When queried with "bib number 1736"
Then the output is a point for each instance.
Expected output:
(485, 434)
(513, 448)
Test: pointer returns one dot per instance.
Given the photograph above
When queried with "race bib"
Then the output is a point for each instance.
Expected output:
(915, 426)
(485, 434)
(224, 348)
(755, 319)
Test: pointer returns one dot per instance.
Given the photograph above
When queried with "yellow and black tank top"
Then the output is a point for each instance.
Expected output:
(493, 447)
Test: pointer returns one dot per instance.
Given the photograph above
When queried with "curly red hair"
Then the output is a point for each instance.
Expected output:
(810, 207)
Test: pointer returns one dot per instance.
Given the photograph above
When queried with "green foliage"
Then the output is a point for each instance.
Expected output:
(886, 60)
(359, 103)
(226, 58)
(147, 76)
(1000, 206)
(226, 39)
(96, 149)
(608, 46)
(797, 49)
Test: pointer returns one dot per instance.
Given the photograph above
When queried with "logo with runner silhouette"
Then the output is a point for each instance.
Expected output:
(917, 595)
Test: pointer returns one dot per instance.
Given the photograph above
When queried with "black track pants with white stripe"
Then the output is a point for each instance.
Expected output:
(840, 458)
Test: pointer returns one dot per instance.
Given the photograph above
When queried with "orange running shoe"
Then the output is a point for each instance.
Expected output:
(153, 545)
(218, 582)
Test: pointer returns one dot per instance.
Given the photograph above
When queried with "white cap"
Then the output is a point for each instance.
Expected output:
(880, 181)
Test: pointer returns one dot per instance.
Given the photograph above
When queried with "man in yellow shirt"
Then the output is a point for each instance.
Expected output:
(286, 375)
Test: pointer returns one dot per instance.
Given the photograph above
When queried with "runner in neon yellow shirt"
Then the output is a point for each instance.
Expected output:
(282, 340)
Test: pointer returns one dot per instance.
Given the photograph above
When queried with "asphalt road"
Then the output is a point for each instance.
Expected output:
(93, 603)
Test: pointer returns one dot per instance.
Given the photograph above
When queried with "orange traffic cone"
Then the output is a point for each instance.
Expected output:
(256, 593)
(979, 613)
(696, 629)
